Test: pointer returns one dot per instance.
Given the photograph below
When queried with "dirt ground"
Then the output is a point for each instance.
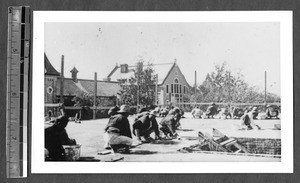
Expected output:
(89, 134)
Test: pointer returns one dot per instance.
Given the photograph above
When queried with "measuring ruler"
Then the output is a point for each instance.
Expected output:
(18, 53)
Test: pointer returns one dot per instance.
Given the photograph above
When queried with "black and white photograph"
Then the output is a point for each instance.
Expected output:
(209, 91)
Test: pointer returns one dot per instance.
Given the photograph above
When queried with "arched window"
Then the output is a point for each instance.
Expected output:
(176, 90)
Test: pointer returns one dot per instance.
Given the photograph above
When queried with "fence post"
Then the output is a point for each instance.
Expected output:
(62, 80)
(95, 95)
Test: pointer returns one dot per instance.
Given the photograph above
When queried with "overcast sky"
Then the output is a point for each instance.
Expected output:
(250, 48)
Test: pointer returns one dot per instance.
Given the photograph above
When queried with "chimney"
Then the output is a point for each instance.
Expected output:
(74, 72)
(124, 68)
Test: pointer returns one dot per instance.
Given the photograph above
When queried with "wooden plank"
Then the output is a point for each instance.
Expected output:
(228, 142)
(215, 145)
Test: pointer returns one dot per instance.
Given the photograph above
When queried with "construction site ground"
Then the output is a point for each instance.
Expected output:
(89, 134)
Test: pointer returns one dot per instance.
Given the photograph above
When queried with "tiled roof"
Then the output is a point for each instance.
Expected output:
(161, 69)
(103, 88)
(72, 88)
(49, 69)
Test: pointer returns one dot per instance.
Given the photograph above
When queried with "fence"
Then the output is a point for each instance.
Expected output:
(188, 106)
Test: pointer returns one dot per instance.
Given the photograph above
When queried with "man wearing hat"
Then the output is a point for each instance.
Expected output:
(145, 125)
(118, 130)
(111, 112)
(177, 113)
(55, 137)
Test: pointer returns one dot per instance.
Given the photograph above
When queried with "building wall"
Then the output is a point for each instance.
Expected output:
(49, 87)
(175, 88)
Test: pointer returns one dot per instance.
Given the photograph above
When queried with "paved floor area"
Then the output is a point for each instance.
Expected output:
(90, 135)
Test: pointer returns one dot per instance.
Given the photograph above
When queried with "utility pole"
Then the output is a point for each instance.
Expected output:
(95, 95)
(229, 88)
(62, 80)
(138, 84)
(195, 83)
(156, 89)
(265, 87)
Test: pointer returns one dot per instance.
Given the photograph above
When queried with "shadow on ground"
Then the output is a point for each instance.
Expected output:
(144, 152)
(88, 158)
(186, 130)
(166, 142)
(189, 138)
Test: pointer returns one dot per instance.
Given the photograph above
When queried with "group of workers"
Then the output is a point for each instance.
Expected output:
(117, 133)
(233, 112)
(246, 116)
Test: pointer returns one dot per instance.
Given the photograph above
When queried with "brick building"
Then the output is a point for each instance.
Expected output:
(73, 86)
(172, 85)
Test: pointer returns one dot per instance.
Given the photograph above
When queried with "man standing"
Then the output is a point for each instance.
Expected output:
(118, 130)
(145, 125)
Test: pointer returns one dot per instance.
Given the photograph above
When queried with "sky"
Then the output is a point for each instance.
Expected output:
(250, 48)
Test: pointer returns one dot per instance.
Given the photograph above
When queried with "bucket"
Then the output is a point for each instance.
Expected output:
(72, 152)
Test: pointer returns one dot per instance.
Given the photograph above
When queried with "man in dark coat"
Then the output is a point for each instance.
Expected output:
(145, 125)
(211, 110)
(118, 130)
(55, 137)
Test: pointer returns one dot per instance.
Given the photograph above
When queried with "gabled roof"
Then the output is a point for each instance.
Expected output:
(71, 88)
(161, 69)
(49, 69)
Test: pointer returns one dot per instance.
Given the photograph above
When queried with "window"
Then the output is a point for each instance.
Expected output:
(167, 89)
(171, 88)
(180, 89)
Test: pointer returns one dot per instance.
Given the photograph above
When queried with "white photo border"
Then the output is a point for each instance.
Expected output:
(38, 165)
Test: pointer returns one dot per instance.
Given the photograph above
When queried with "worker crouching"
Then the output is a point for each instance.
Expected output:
(55, 137)
(168, 126)
(248, 120)
(144, 125)
(118, 131)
